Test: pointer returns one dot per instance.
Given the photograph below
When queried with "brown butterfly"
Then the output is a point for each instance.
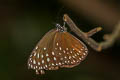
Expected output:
(55, 50)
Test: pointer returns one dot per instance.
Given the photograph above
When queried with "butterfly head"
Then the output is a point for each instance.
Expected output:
(61, 28)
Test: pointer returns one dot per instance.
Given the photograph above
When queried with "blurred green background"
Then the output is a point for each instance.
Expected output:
(24, 22)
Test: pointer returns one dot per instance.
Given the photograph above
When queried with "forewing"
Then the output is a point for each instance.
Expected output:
(40, 57)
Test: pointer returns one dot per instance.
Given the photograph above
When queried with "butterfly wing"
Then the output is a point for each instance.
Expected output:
(57, 49)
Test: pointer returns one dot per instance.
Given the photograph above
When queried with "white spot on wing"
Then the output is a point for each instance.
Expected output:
(36, 47)
(31, 66)
(38, 55)
(73, 60)
(84, 54)
(65, 61)
(66, 48)
(36, 66)
(41, 67)
(69, 57)
(30, 55)
(59, 53)
(86, 51)
(78, 54)
(73, 56)
(53, 64)
(59, 63)
(42, 56)
(53, 53)
(38, 63)
(46, 66)
(48, 59)
(34, 53)
(56, 64)
(61, 58)
(65, 57)
(44, 48)
(60, 48)
(34, 62)
(55, 58)
(80, 58)
(57, 44)
(42, 61)
(47, 54)
(81, 49)
(64, 51)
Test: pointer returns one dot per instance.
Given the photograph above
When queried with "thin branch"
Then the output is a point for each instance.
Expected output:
(93, 31)
(111, 38)
(86, 36)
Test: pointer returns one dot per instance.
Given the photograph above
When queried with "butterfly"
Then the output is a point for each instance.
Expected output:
(57, 49)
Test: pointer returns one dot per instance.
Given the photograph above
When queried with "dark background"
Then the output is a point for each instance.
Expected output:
(24, 22)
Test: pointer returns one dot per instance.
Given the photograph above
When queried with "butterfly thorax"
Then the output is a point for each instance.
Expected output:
(61, 28)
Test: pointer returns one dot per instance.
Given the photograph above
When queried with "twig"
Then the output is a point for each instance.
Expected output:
(93, 31)
(86, 36)
(111, 38)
